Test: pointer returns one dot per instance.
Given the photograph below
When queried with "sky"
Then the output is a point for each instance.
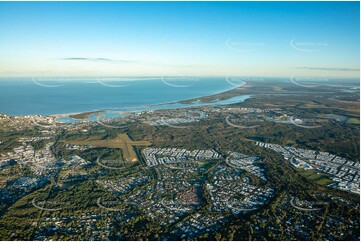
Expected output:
(269, 39)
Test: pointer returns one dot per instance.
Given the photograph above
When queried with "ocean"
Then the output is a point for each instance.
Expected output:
(41, 96)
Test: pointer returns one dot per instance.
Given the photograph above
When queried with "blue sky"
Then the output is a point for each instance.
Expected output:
(275, 39)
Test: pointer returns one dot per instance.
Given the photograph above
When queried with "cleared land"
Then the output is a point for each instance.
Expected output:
(122, 141)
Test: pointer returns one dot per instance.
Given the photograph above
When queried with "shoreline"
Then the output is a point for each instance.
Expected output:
(224, 95)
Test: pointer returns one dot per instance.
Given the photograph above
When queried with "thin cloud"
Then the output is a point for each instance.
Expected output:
(327, 69)
(126, 62)
(96, 59)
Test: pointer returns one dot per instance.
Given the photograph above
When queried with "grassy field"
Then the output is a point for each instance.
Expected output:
(122, 141)
(319, 178)
(353, 121)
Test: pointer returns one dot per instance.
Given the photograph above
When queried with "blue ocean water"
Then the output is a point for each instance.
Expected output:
(27, 96)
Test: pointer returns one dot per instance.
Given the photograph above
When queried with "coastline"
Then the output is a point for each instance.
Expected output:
(193, 102)
(219, 96)
(201, 101)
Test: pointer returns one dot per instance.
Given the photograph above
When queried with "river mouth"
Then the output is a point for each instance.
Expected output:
(22, 96)
(109, 114)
